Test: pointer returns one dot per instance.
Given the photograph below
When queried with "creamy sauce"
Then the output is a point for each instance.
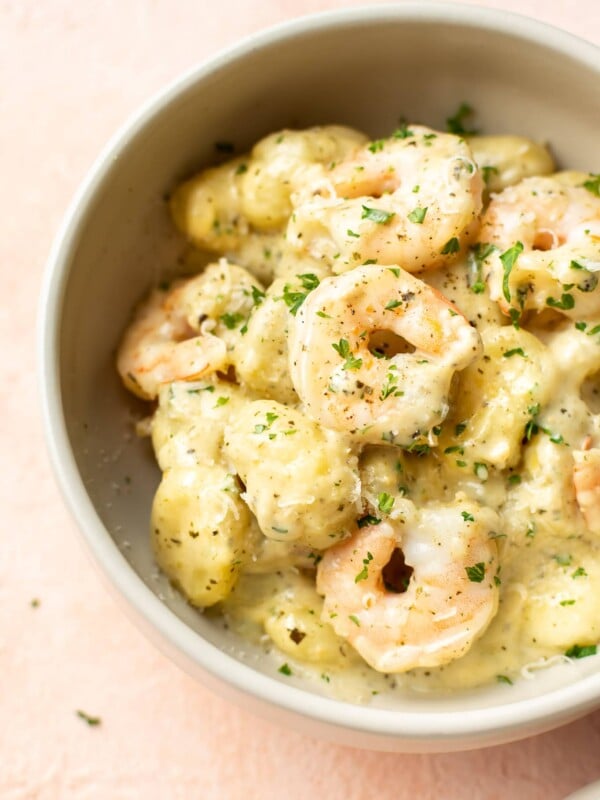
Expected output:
(254, 491)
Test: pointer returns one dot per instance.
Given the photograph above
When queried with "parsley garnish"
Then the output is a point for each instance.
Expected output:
(343, 349)
(451, 246)
(403, 132)
(467, 517)
(376, 145)
(487, 172)
(508, 259)
(364, 573)
(221, 401)
(385, 502)
(455, 124)
(393, 304)
(476, 573)
(257, 296)
(354, 619)
(504, 679)
(579, 573)
(285, 669)
(91, 721)
(581, 651)
(417, 215)
(377, 215)
(593, 184)
(241, 169)
(367, 520)
(231, 321)
(516, 351)
(566, 302)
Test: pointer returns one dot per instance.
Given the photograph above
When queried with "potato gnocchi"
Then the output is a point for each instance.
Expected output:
(377, 408)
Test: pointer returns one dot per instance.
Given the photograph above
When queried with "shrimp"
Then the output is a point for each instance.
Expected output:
(542, 244)
(414, 592)
(346, 386)
(586, 479)
(412, 199)
(162, 344)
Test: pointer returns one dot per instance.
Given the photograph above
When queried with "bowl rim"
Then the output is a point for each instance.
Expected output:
(149, 612)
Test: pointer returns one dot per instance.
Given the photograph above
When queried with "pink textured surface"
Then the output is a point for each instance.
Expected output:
(71, 72)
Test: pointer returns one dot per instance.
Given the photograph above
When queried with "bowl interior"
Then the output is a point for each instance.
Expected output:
(368, 71)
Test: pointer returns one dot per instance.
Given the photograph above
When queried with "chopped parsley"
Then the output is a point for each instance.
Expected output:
(91, 721)
(377, 215)
(231, 321)
(460, 428)
(579, 573)
(487, 172)
(516, 351)
(451, 246)
(467, 517)
(352, 233)
(508, 259)
(417, 215)
(390, 386)
(581, 651)
(385, 502)
(504, 679)
(593, 184)
(393, 304)
(343, 349)
(376, 146)
(366, 520)
(476, 573)
(566, 302)
(364, 573)
(354, 619)
(241, 169)
(403, 132)
(285, 669)
(481, 471)
(221, 401)
(257, 296)
(456, 123)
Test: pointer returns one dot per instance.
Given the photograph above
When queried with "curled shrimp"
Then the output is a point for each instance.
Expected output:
(346, 386)
(428, 614)
(188, 331)
(586, 479)
(542, 244)
(412, 199)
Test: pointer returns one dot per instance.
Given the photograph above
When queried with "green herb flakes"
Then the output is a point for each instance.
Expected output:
(476, 573)
(93, 722)
(508, 259)
(377, 215)
(581, 651)
(417, 215)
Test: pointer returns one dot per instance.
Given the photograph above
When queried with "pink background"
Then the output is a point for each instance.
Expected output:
(71, 72)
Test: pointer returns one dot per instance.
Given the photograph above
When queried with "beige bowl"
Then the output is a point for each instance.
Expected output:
(365, 68)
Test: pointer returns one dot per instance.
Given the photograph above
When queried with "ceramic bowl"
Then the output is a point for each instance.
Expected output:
(365, 68)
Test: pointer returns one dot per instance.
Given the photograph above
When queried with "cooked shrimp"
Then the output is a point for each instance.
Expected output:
(432, 612)
(412, 200)
(586, 478)
(345, 386)
(545, 234)
(162, 343)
